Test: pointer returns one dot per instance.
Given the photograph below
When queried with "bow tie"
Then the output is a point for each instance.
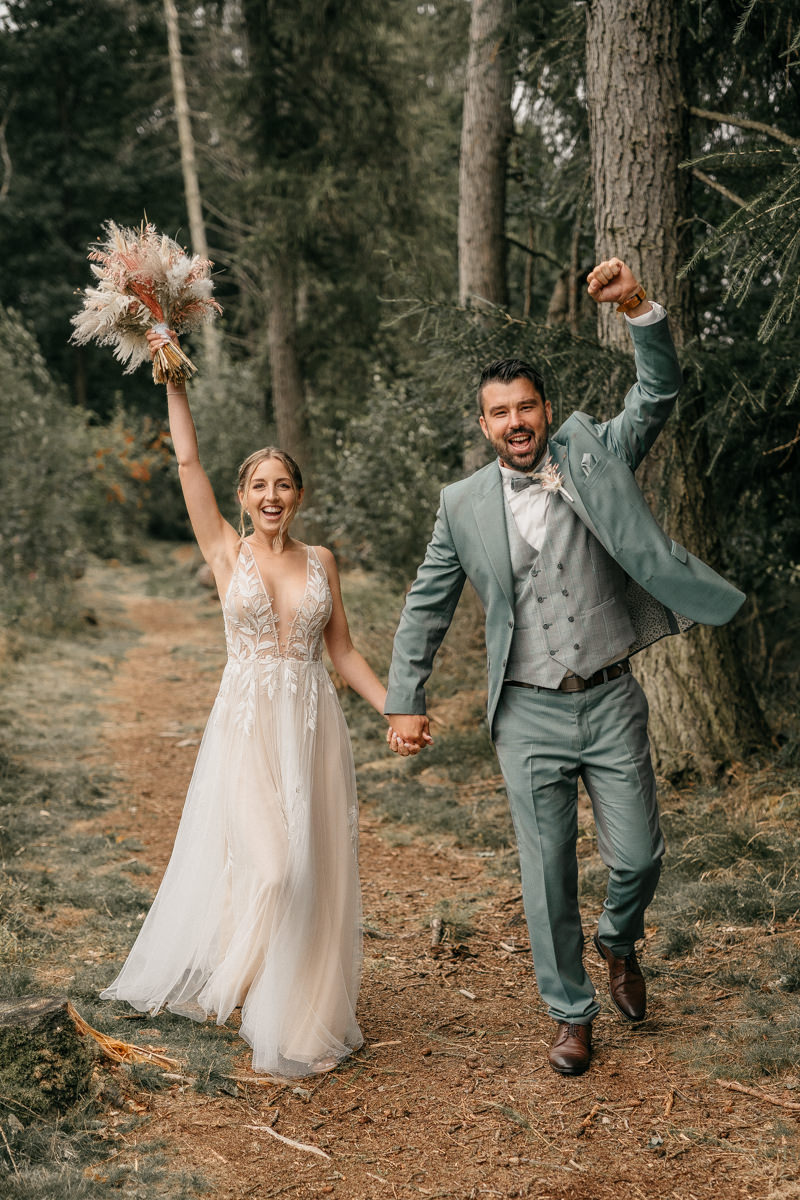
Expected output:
(520, 482)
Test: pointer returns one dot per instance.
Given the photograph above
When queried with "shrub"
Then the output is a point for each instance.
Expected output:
(70, 488)
(379, 493)
(44, 453)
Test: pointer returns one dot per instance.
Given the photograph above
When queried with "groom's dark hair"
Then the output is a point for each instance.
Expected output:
(506, 370)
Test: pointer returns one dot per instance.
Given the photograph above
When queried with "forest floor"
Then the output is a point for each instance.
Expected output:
(451, 1095)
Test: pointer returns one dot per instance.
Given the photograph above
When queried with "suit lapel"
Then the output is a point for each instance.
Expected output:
(560, 456)
(489, 510)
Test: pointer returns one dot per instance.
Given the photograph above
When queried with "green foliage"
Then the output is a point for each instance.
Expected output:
(85, 140)
(379, 493)
(44, 458)
(229, 411)
(71, 488)
(345, 172)
(760, 241)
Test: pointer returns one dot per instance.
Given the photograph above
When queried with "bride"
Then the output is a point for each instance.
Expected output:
(260, 904)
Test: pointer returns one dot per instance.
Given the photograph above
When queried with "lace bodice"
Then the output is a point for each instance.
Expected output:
(252, 628)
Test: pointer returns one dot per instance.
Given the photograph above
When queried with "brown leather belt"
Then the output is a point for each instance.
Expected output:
(576, 683)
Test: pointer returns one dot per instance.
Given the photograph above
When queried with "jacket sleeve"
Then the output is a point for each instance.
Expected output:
(426, 617)
(650, 401)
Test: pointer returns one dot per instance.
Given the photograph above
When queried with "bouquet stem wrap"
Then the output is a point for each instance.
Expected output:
(170, 364)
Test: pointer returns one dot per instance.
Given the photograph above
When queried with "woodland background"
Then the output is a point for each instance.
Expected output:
(393, 193)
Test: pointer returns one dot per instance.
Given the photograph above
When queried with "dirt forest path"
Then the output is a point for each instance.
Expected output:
(450, 1095)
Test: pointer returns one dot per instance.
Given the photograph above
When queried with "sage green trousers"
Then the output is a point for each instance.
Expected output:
(546, 741)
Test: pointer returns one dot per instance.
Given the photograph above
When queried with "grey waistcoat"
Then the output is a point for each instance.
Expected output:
(570, 610)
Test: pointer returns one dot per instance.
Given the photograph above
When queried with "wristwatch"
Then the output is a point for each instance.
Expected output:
(632, 301)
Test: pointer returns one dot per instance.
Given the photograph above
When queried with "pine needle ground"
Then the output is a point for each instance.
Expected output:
(449, 1095)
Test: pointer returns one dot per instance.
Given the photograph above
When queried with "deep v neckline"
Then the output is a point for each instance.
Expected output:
(276, 623)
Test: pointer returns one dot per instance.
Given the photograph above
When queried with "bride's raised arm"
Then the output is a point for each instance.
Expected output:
(216, 537)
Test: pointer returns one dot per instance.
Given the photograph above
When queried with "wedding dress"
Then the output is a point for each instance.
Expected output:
(260, 902)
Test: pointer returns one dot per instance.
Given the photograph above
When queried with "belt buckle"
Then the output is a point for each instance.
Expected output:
(573, 683)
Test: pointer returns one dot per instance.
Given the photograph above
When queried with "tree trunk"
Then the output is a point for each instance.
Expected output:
(288, 393)
(485, 133)
(191, 182)
(703, 710)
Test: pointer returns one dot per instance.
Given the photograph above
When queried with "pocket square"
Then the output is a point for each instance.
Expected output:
(588, 462)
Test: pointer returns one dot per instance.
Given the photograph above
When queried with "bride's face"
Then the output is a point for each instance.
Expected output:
(270, 496)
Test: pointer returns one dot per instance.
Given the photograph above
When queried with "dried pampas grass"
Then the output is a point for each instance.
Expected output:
(145, 280)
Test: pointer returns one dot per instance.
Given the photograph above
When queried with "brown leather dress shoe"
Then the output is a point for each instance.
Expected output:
(625, 982)
(571, 1052)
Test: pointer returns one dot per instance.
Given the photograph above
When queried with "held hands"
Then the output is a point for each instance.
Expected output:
(611, 282)
(408, 734)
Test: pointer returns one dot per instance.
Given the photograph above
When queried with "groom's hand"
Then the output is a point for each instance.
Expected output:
(611, 281)
(408, 733)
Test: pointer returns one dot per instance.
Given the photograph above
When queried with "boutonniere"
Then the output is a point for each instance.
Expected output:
(552, 480)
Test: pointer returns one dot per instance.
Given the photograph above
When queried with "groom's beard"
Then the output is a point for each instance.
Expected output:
(521, 462)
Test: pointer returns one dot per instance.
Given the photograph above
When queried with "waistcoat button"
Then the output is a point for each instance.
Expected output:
(541, 599)
(577, 646)
(552, 652)
(545, 626)
(570, 618)
(564, 592)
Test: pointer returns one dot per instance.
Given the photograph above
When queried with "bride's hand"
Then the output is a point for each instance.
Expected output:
(156, 338)
(396, 744)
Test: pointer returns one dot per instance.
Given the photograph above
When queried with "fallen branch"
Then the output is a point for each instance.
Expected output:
(733, 1086)
(117, 1051)
(289, 1141)
(587, 1120)
(8, 1148)
(670, 1102)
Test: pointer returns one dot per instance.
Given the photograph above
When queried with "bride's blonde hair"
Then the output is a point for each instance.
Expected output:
(246, 474)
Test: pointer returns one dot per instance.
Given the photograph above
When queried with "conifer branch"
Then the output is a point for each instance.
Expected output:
(744, 123)
(718, 187)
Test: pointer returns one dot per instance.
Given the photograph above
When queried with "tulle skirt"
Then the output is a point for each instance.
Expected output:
(260, 904)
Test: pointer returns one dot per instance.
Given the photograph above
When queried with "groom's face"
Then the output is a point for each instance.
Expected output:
(516, 421)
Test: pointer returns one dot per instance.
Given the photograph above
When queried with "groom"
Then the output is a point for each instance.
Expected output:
(575, 576)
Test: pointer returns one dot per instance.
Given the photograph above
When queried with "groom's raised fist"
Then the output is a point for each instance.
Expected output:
(611, 281)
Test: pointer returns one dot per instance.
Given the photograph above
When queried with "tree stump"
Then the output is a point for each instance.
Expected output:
(45, 1061)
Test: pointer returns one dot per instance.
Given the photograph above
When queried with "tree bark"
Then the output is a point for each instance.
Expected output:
(288, 393)
(485, 134)
(191, 180)
(703, 710)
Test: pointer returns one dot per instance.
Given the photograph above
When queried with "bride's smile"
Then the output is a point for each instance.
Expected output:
(271, 498)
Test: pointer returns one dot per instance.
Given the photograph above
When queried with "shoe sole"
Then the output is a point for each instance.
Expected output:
(570, 1074)
(629, 1020)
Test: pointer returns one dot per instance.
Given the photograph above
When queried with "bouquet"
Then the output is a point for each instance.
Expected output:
(145, 281)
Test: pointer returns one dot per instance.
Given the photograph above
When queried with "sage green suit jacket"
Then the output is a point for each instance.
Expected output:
(669, 588)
